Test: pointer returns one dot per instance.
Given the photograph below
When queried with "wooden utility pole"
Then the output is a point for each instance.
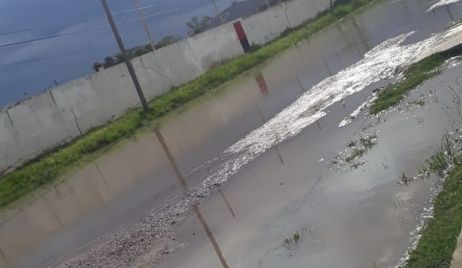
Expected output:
(145, 24)
(124, 53)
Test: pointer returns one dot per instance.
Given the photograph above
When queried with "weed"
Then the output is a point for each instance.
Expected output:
(352, 144)
(405, 179)
(292, 240)
(415, 75)
(439, 238)
(296, 237)
(419, 102)
(368, 142)
(357, 153)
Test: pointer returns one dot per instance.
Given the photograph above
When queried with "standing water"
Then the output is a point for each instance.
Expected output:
(243, 177)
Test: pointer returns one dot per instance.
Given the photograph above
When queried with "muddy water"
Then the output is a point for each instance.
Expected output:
(352, 217)
(345, 217)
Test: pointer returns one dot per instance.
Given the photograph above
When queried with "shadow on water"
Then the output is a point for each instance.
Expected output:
(196, 208)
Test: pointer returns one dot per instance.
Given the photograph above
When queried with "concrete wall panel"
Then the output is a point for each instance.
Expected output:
(9, 154)
(299, 11)
(79, 105)
(38, 126)
(215, 46)
(263, 27)
(176, 62)
(115, 90)
(153, 81)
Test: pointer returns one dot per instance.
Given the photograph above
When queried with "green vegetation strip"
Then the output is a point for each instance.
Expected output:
(439, 239)
(51, 166)
(415, 75)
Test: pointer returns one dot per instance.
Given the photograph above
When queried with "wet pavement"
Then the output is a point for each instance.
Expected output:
(228, 180)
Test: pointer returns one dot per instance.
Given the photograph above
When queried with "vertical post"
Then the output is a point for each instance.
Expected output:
(124, 53)
(145, 24)
(242, 36)
(197, 211)
(217, 10)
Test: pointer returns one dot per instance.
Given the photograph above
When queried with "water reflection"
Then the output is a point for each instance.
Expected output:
(196, 208)
(261, 82)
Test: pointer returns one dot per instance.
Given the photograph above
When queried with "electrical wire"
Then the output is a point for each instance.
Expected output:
(147, 16)
(83, 31)
(17, 31)
(96, 17)
(45, 59)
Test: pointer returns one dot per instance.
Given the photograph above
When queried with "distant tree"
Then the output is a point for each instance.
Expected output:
(108, 62)
(119, 58)
(97, 66)
(167, 40)
(134, 52)
(148, 47)
(197, 25)
(139, 52)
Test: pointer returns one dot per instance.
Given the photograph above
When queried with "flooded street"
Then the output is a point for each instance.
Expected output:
(244, 177)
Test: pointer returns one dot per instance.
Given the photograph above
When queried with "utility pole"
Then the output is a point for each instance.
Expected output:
(145, 24)
(124, 53)
(217, 10)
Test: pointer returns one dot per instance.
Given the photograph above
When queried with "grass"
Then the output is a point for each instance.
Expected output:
(292, 240)
(366, 143)
(439, 239)
(415, 75)
(357, 153)
(53, 165)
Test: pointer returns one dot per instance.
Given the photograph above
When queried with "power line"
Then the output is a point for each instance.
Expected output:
(94, 18)
(86, 30)
(79, 32)
(17, 31)
(153, 14)
(44, 59)
(33, 40)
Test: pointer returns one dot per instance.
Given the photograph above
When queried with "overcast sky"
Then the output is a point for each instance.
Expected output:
(30, 68)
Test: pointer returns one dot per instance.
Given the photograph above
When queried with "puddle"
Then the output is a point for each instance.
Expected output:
(356, 218)
(167, 197)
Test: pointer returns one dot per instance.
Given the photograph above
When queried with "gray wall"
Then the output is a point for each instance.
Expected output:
(61, 114)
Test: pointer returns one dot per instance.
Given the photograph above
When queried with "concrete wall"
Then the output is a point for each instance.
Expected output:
(263, 27)
(215, 46)
(61, 114)
(300, 11)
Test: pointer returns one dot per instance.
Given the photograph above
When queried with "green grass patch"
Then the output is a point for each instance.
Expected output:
(51, 166)
(439, 239)
(415, 75)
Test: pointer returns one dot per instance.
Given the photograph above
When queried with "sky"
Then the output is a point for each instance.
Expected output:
(30, 68)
